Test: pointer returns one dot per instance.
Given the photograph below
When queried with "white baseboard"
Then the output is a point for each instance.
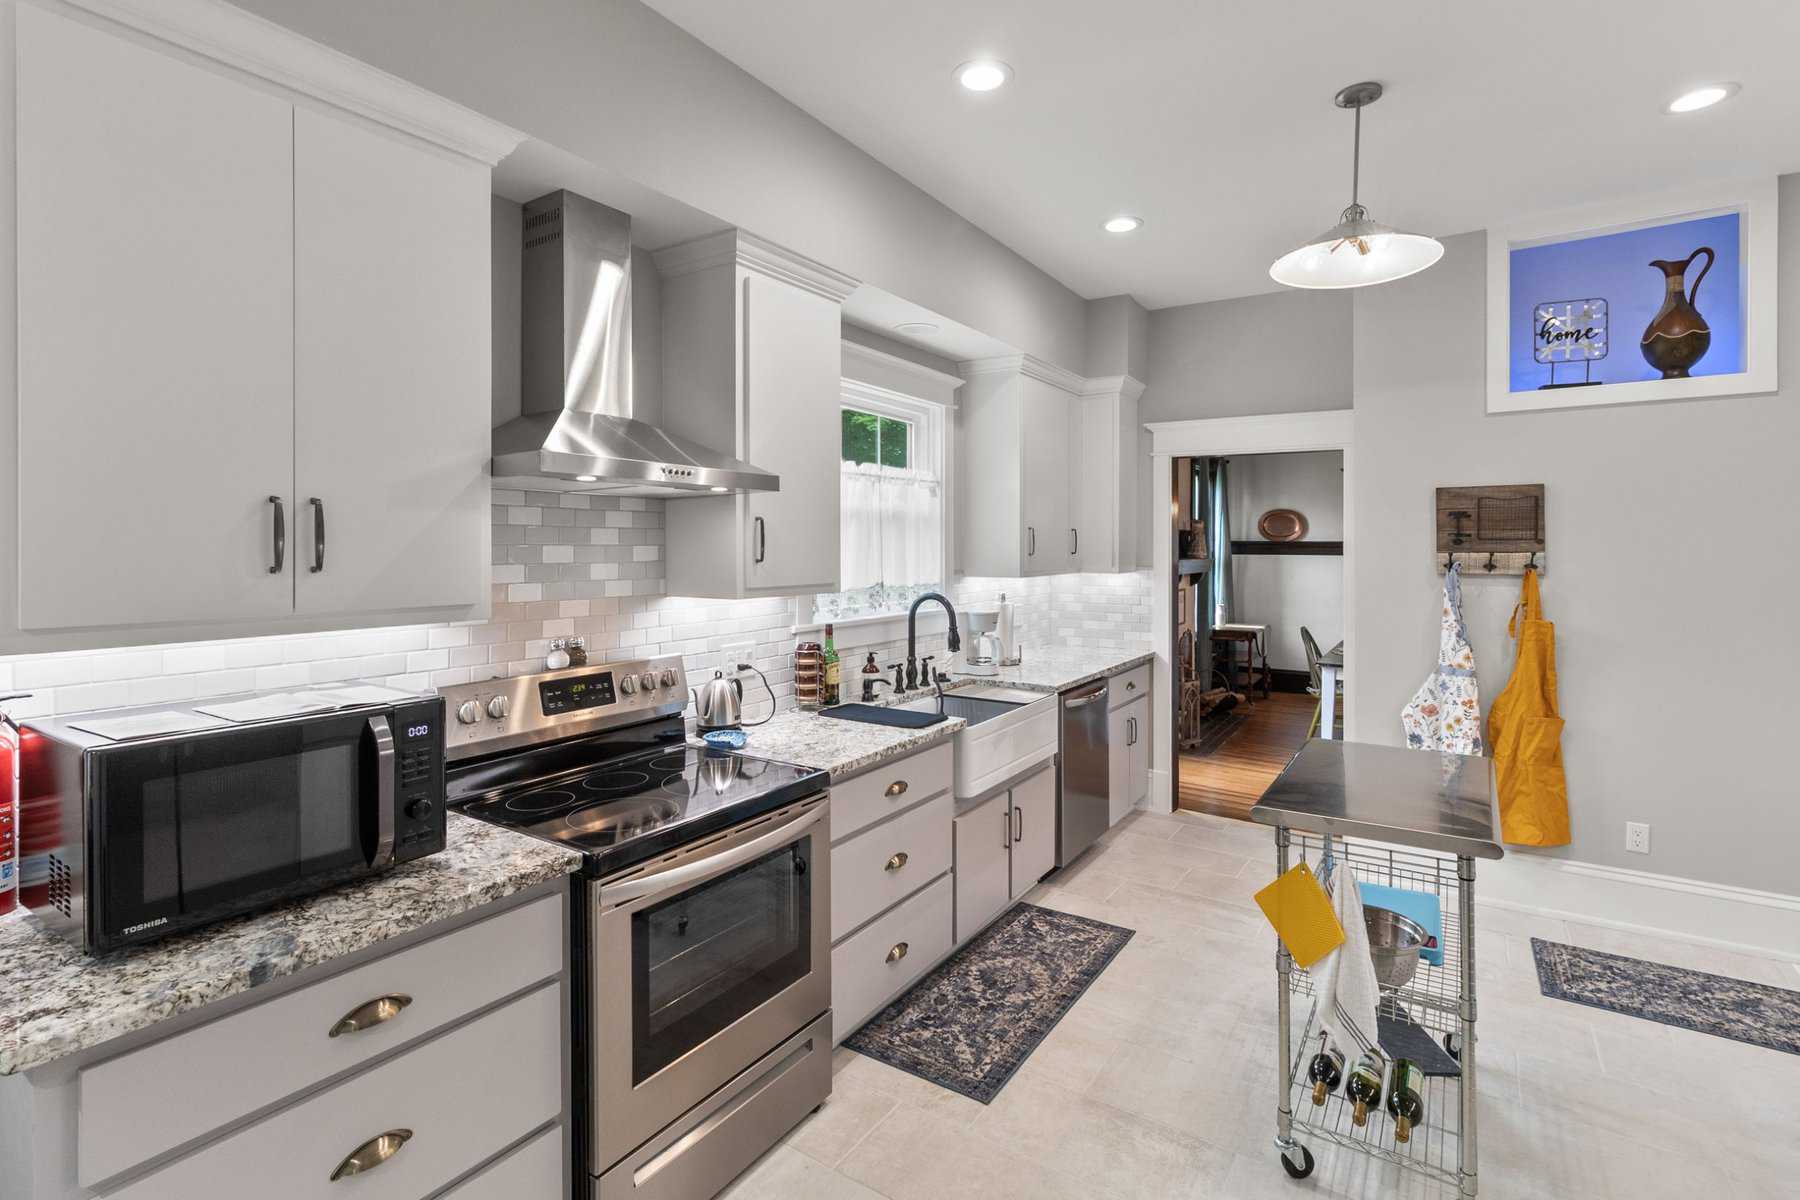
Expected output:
(1711, 914)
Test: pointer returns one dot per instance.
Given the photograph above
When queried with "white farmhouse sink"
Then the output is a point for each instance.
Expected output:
(1009, 731)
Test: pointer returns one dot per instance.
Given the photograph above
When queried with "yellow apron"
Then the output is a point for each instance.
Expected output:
(1525, 733)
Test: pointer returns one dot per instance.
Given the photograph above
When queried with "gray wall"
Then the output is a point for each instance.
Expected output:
(616, 84)
(1286, 591)
(1118, 338)
(1671, 578)
(1284, 352)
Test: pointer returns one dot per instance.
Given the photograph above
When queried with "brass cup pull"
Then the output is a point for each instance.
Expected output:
(371, 1014)
(896, 862)
(896, 788)
(897, 953)
(372, 1153)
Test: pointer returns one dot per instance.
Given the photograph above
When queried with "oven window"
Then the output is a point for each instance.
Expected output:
(703, 959)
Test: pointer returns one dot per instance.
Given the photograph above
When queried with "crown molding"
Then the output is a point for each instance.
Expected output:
(904, 366)
(1028, 365)
(1124, 387)
(229, 35)
(747, 250)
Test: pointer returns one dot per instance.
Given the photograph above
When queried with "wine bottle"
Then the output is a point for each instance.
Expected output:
(832, 671)
(1326, 1070)
(1363, 1086)
(1406, 1098)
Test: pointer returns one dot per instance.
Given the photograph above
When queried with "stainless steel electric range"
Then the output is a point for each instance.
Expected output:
(702, 919)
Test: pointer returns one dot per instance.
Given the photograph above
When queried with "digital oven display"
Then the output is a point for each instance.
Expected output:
(575, 693)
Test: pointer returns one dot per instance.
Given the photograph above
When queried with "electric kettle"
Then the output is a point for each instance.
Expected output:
(719, 703)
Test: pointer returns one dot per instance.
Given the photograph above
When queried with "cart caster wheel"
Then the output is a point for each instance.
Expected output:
(1306, 1163)
(1453, 1045)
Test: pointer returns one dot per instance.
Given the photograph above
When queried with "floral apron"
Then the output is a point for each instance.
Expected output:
(1445, 713)
(1526, 733)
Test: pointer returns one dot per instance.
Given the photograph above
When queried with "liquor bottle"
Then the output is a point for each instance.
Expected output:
(1326, 1070)
(832, 671)
(1406, 1098)
(1363, 1086)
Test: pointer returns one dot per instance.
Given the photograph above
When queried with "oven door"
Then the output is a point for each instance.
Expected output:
(703, 962)
(189, 829)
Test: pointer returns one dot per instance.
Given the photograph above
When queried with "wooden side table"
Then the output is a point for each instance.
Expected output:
(1255, 641)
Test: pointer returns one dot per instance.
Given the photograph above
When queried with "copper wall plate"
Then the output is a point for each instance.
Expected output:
(1282, 525)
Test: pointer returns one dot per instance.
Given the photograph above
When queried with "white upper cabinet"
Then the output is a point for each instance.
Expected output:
(233, 300)
(752, 366)
(155, 370)
(1105, 489)
(391, 377)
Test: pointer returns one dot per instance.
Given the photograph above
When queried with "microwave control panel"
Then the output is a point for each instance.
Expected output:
(418, 730)
(497, 714)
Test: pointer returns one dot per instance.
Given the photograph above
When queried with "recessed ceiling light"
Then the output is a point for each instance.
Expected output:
(1123, 224)
(917, 327)
(587, 479)
(1702, 97)
(983, 74)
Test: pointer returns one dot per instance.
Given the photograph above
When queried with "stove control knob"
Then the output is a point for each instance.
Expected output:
(628, 684)
(647, 681)
(499, 707)
(668, 677)
(468, 712)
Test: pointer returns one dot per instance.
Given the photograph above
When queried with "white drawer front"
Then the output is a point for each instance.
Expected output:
(533, 1170)
(1127, 686)
(143, 1103)
(463, 1097)
(889, 788)
(869, 969)
(879, 866)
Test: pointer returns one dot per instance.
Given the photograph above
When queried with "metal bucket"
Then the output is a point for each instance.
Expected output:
(1394, 944)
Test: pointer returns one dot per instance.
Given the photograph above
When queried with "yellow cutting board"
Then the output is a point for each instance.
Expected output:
(1301, 913)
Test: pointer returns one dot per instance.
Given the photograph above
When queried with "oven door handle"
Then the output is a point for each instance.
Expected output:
(384, 791)
(676, 878)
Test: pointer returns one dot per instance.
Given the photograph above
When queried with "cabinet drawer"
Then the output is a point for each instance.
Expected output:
(1127, 686)
(869, 969)
(510, 1061)
(882, 864)
(889, 788)
(143, 1103)
(533, 1170)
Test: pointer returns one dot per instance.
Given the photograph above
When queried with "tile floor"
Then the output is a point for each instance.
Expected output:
(1160, 1081)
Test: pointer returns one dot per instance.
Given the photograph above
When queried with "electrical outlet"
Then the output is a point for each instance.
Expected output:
(1637, 837)
(733, 653)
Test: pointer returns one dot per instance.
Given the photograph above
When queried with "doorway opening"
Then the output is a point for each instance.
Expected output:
(1257, 595)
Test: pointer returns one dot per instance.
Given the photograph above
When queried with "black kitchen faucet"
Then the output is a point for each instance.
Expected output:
(912, 636)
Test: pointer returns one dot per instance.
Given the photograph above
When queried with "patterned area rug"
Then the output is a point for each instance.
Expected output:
(973, 1021)
(1729, 1008)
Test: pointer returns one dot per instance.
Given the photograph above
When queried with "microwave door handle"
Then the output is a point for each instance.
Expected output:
(676, 878)
(384, 790)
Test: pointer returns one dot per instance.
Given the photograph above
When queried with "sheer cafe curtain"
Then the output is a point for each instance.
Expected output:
(893, 527)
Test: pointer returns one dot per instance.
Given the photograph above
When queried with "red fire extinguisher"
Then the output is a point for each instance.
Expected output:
(9, 810)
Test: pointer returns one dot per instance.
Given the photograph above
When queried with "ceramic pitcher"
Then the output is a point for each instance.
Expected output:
(1678, 336)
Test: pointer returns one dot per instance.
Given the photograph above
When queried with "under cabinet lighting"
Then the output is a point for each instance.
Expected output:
(587, 479)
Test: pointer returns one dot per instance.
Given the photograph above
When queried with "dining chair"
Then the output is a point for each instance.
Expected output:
(1315, 689)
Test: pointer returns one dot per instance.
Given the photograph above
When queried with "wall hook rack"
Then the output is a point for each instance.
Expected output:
(1491, 530)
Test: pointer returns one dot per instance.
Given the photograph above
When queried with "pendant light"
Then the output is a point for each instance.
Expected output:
(1356, 251)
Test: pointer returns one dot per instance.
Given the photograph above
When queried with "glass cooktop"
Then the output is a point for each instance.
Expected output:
(629, 809)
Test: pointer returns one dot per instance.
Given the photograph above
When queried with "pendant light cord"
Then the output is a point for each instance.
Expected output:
(1356, 161)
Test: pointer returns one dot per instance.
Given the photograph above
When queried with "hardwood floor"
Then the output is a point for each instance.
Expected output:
(1230, 780)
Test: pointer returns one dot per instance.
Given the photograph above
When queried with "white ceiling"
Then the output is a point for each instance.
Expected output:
(1214, 122)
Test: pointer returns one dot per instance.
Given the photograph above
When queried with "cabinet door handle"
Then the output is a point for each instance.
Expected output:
(318, 507)
(1019, 820)
(896, 788)
(1074, 540)
(372, 1153)
(1030, 542)
(897, 953)
(761, 539)
(1131, 731)
(896, 862)
(370, 1014)
(280, 536)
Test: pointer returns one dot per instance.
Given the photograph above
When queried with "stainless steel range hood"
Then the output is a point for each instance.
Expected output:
(577, 432)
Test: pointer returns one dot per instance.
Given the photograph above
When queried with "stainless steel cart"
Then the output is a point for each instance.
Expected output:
(1408, 819)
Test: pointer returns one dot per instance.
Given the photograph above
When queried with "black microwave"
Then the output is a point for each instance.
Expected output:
(151, 822)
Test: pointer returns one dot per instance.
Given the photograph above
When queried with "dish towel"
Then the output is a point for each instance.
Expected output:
(1348, 994)
(1445, 713)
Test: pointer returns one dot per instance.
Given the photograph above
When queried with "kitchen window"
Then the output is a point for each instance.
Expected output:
(891, 504)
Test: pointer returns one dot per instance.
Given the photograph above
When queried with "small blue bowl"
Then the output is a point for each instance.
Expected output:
(726, 739)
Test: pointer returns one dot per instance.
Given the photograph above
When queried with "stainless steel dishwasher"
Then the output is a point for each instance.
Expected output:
(1082, 771)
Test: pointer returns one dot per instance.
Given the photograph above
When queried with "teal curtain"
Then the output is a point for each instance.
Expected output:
(1218, 545)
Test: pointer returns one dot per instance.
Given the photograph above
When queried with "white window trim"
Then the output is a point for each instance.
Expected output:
(933, 450)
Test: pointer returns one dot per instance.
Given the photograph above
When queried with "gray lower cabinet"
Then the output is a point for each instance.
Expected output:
(361, 1079)
(1004, 845)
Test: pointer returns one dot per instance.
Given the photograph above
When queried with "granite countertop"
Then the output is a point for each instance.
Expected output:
(56, 1001)
(846, 748)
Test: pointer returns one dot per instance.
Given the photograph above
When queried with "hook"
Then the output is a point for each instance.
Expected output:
(1491, 564)
(1531, 564)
